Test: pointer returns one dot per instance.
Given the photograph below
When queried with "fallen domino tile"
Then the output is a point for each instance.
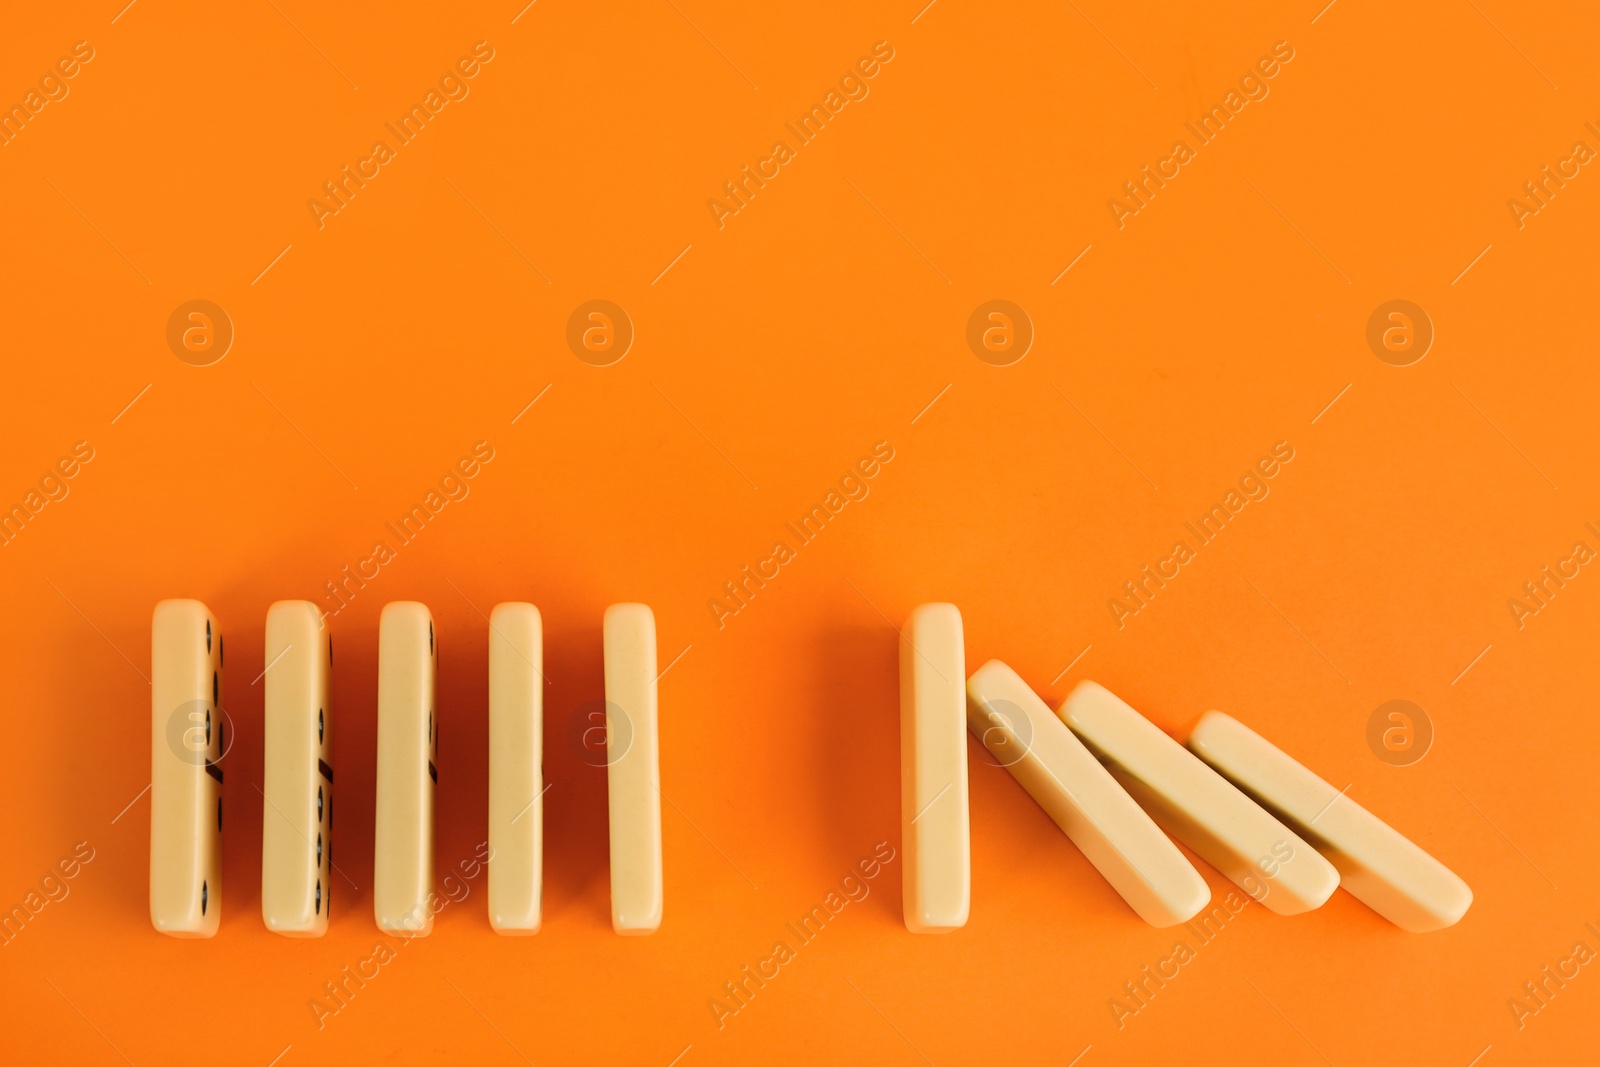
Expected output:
(1116, 835)
(1199, 807)
(934, 828)
(1380, 867)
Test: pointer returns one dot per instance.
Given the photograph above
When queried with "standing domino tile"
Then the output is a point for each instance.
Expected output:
(297, 820)
(1084, 800)
(633, 773)
(1199, 807)
(516, 768)
(408, 736)
(934, 828)
(1380, 867)
(186, 743)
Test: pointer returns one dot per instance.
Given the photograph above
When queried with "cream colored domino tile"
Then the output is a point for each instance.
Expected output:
(934, 827)
(1377, 864)
(1082, 797)
(633, 772)
(1199, 807)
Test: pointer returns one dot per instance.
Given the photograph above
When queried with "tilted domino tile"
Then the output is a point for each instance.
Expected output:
(516, 771)
(402, 861)
(1116, 835)
(297, 815)
(633, 773)
(934, 827)
(1199, 807)
(186, 741)
(1380, 867)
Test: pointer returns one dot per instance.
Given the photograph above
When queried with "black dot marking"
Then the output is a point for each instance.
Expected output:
(319, 803)
(204, 893)
(222, 735)
(215, 690)
(219, 650)
(208, 637)
(430, 726)
(219, 815)
(208, 726)
(330, 651)
(319, 726)
(430, 638)
(319, 896)
(319, 850)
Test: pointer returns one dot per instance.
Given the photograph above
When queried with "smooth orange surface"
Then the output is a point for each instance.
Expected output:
(767, 360)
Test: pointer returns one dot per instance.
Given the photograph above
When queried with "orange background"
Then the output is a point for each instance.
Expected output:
(821, 319)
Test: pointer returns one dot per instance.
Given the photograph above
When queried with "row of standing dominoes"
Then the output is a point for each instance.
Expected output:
(188, 740)
(1101, 771)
